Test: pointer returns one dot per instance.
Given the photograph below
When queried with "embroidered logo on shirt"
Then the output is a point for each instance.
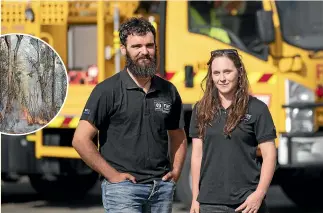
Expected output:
(158, 106)
(86, 111)
(246, 118)
(162, 106)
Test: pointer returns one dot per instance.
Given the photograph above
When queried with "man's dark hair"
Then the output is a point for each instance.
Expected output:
(135, 26)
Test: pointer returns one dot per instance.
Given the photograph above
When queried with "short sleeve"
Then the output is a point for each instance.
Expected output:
(193, 130)
(97, 108)
(176, 117)
(264, 127)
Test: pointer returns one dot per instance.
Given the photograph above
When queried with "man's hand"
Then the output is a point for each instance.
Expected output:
(121, 177)
(173, 175)
(252, 203)
(195, 207)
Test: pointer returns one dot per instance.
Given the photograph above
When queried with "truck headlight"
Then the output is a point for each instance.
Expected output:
(299, 120)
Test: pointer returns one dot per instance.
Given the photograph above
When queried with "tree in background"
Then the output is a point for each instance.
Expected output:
(32, 81)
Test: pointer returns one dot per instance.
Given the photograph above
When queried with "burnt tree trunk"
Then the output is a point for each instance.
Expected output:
(7, 107)
(53, 82)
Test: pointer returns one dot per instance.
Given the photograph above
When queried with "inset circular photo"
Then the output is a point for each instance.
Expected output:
(33, 84)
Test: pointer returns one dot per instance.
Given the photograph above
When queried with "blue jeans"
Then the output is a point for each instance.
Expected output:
(128, 197)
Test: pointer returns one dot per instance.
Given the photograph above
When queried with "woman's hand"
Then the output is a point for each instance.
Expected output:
(252, 203)
(195, 207)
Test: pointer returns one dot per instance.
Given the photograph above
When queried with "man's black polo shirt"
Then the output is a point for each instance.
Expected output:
(230, 170)
(133, 125)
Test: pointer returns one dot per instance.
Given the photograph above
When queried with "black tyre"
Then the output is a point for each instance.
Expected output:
(306, 193)
(64, 187)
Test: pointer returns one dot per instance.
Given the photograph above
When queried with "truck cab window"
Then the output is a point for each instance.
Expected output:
(231, 22)
(148, 7)
(302, 23)
(82, 54)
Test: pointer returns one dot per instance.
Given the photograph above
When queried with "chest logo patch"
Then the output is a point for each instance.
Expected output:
(86, 111)
(162, 106)
(246, 117)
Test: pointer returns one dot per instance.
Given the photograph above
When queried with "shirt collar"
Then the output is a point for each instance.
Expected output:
(126, 78)
(131, 84)
(221, 107)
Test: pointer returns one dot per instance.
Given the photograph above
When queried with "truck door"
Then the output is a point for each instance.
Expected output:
(193, 30)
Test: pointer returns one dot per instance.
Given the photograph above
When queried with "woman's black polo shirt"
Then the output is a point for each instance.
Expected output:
(133, 125)
(230, 170)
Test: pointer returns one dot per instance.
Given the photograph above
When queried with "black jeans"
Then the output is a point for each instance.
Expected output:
(207, 208)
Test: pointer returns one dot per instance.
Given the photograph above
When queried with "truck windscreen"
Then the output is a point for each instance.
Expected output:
(231, 22)
(302, 23)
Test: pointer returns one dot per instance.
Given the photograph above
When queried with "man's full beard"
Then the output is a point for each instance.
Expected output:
(142, 71)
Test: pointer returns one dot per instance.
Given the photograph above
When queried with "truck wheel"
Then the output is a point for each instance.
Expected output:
(70, 186)
(184, 184)
(304, 192)
(10, 178)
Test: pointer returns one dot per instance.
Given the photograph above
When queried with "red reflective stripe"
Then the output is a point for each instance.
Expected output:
(169, 75)
(265, 77)
(67, 121)
(319, 91)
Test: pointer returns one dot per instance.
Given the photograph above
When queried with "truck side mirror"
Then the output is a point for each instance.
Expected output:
(265, 26)
(189, 76)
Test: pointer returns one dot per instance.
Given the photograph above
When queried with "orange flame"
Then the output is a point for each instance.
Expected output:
(26, 115)
(40, 121)
(32, 120)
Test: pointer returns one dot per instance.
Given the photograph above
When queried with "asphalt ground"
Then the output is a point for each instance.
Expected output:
(20, 197)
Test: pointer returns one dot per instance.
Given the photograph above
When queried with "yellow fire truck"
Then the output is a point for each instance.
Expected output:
(281, 43)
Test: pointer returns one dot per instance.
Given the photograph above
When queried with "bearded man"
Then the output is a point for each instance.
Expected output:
(137, 115)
